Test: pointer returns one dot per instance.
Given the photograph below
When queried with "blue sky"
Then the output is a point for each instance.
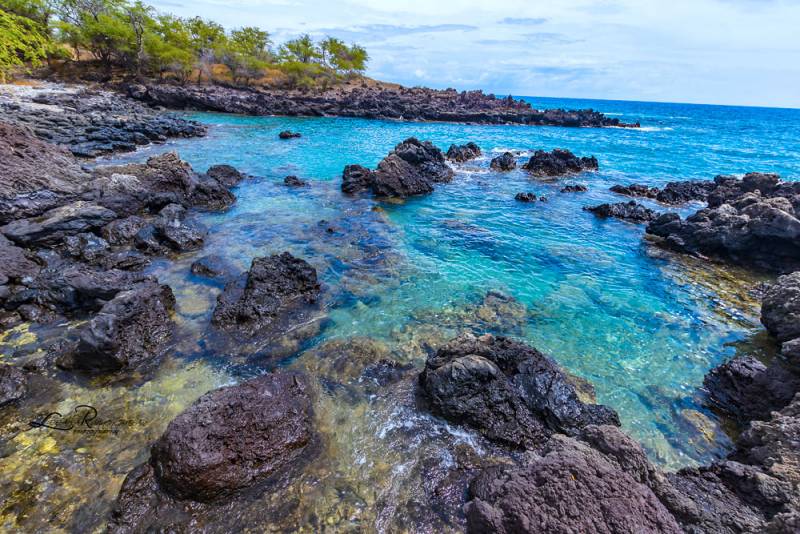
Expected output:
(743, 52)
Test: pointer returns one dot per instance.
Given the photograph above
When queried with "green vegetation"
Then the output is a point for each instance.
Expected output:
(132, 37)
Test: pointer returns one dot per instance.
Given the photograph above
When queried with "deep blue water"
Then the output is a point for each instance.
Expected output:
(641, 326)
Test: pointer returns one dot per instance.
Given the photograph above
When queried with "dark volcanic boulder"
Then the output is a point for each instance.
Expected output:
(57, 223)
(752, 221)
(272, 291)
(780, 308)
(14, 264)
(462, 153)
(294, 181)
(356, 179)
(673, 193)
(234, 437)
(410, 169)
(508, 391)
(225, 174)
(130, 329)
(627, 211)
(558, 163)
(746, 389)
(525, 197)
(570, 488)
(13, 384)
(36, 175)
(211, 267)
(210, 194)
(123, 231)
(504, 162)
(636, 190)
(286, 134)
(174, 232)
(576, 188)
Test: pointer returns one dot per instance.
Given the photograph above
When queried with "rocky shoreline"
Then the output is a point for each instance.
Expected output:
(89, 122)
(412, 104)
(74, 242)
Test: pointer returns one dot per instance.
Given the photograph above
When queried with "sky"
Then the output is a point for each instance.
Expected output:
(739, 52)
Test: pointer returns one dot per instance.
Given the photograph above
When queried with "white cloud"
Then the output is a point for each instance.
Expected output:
(713, 51)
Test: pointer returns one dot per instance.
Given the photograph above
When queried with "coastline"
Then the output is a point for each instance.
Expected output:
(475, 517)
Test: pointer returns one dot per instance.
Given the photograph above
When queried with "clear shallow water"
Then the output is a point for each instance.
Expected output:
(642, 326)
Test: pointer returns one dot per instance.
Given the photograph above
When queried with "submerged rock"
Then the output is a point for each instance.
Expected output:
(576, 188)
(569, 488)
(287, 134)
(558, 163)
(462, 153)
(525, 197)
(504, 162)
(508, 391)
(294, 181)
(13, 385)
(627, 211)
(129, 330)
(275, 289)
(174, 232)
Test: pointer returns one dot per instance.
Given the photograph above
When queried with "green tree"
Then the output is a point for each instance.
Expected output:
(22, 42)
(303, 49)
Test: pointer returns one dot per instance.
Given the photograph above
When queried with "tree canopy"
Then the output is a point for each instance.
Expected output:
(133, 37)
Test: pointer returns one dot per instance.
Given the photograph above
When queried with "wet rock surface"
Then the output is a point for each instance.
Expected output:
(286, 134)
(462, 153)
(569, 488)
(294, 181)
(278, 296)
(576, 188)
(526, 197)
(411, 169)
(508, 391)
(558, 163)
(130, 329)
(627, 211)
(370, 102)
(13, 385)
(750, 221)
(504, 162)
(232, 440)
(674, 193)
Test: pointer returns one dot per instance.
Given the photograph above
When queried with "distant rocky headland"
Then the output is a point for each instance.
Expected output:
(378, 101)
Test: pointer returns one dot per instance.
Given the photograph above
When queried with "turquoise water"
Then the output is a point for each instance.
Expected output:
(642, 326)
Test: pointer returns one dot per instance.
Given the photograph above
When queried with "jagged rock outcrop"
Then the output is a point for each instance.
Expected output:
(91, 122)
(504, 162)
(411, 169)
(462, 153)
(129, 330)
(673, 193)
(231, 440)
(752, 221)
(275, 292)
(570, 487)
(557, 163)
(627, 211)
(780, 308)
(370, 102)
(227, 175)
(58, 223)
(509, 392)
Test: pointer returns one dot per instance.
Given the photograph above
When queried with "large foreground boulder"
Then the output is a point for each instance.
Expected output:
(559, 162)
(508, 391)
(276, 290)
(232, 440)
(570, 488)
(411, 169)
(130, 329)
